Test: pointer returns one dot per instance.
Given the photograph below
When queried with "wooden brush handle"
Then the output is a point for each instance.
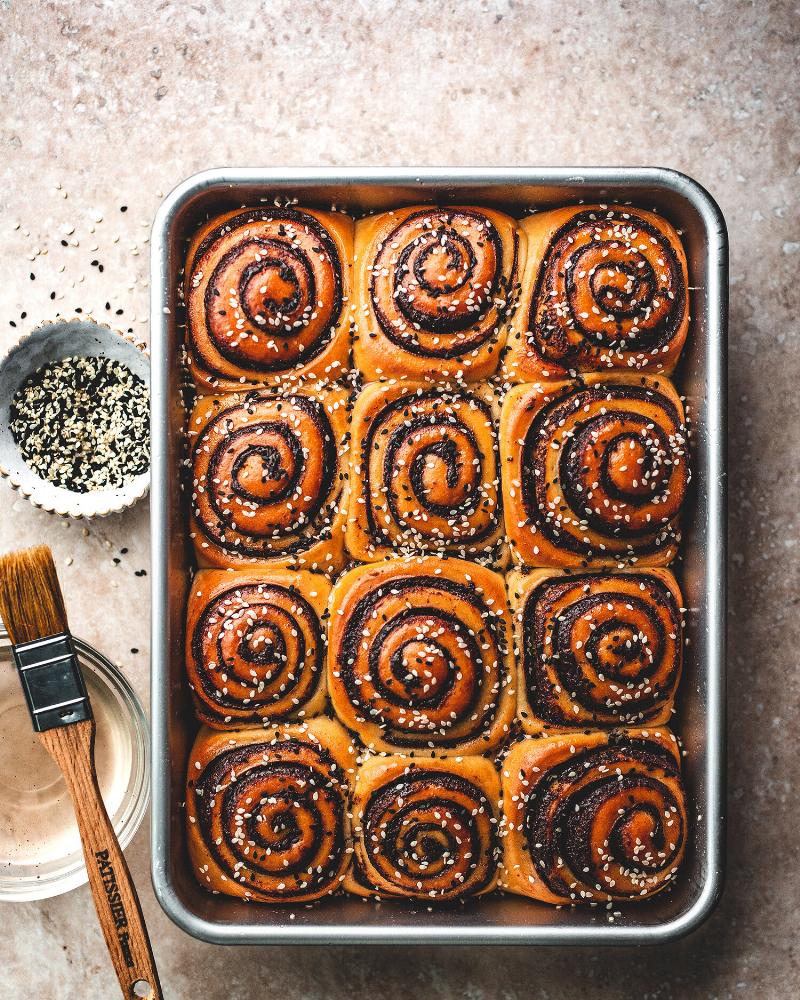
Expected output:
(72, 748)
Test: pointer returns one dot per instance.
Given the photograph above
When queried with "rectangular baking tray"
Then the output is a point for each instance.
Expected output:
(701, 377)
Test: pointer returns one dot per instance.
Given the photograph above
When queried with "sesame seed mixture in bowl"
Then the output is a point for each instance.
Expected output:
(81, 423)
(74, 411)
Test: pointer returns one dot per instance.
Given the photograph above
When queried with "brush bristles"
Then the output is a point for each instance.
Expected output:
(31, 602)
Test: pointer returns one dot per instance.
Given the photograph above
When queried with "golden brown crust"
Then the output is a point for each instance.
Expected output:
(425, 473)
(419, 656)
(605, 288)
(269, 471)
(434, 290)
(595, 471)
(255, 646)
(268, 298)
(434, 484)
(424, 829)
(267, 811)
(595, 649)
(595, 817)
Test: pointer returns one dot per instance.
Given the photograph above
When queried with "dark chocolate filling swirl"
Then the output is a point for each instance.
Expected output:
(600, 649)
(422, 657)
(605, 470)
(438, 284)
(272, 291)
(608, 821)
(427, 462)
(272, 817)
(265, 476)
(611, 282)
(428, 834)
(256, 653)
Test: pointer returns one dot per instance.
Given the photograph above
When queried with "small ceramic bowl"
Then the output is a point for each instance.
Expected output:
(53, 342)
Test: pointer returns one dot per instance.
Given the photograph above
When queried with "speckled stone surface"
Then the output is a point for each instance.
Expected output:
(109, 104)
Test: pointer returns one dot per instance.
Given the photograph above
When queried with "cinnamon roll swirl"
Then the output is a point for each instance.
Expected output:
(604, 288)
(596, 649)
(424, 830)
(594, 473)
(267, 811)
(434, 290)
(269, 470)
(594, 817)
(266, 297)
(255, 646)
(425, 473)
(419, 656)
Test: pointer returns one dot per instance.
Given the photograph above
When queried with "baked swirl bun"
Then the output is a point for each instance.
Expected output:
(268, 478)
(424, 829)
(419, 656)
(594, 817)
(255, 646)
(604, 288)
(433, 290)
(594, 473)
(425, 474)
(267, 293)
(596, 649)
(267, 811)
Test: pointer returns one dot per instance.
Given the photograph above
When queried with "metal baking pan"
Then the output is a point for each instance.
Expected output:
(500, 919)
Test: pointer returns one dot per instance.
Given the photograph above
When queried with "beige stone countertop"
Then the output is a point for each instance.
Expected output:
(109, 104)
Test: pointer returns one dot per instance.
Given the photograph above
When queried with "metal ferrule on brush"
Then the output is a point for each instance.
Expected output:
(52, 681)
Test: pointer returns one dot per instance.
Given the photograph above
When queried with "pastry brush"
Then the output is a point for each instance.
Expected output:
(32, 607)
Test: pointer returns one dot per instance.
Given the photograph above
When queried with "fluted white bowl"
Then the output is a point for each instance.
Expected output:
(53, 342)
